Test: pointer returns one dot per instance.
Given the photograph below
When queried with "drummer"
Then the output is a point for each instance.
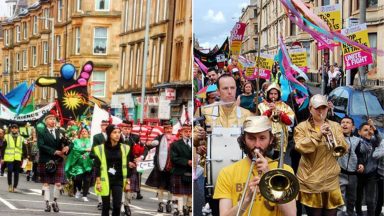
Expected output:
(226, 114)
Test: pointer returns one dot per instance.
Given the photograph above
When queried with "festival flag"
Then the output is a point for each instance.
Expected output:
(25, 99)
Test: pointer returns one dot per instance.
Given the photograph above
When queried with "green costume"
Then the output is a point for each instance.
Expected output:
(78, 161)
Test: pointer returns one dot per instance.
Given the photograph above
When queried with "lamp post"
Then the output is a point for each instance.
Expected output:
(52, 50)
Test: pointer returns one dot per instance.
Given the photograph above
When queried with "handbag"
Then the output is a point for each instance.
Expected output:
(186, 177)
(50, 167)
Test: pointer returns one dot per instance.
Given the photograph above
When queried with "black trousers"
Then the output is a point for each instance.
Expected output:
(366, 184)
(380, 190)
(13, 167)
(83, 181)
(117, 193)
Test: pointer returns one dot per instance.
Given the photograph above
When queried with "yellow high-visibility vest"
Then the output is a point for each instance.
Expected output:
(100, 153)
(13, 151)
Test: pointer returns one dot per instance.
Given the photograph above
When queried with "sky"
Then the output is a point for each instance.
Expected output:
(214, 19)
(3, 8)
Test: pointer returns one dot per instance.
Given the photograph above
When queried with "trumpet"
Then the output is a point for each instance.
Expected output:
(338, 150)
(275, 117)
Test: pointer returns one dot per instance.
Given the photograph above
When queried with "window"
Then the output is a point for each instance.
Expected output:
(254, 13)
(34, 56)
(18, 65)
(180, 10)
(293, 29)
(141, 13)
(165, 10)
(153, 64)
(130, 72)
(157, 11)
(77, 41)
(5, 90)
(371, 3)
(25, 60)
(58, 47)
(98, 78)
(373, 44)
(325, 2)
(35, 25)
(78, 5)
(46, 15)
(179, 54)
(45, 52)
(6, 65)
(102, 5)
(6, 36)
(59, 10)
(122, 67)
(17, 34)
(100, 41)
(134, 15)
(126, 11)
(160, 75)
(25, 30)
(44, 93)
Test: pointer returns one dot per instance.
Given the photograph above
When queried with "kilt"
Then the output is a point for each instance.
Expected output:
(135, 180)
(159, 179)
(180, 187)
(58, 177)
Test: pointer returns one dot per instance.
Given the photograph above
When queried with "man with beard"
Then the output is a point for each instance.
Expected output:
(160, 175)
(258, 136)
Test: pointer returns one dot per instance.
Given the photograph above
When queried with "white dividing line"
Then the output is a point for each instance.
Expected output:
(42, 201)
(8, 204)
(61, 212)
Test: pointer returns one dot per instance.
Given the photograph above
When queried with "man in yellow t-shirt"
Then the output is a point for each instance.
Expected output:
(229, 186)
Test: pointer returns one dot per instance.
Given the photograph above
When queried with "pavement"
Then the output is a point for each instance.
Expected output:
(29, 201)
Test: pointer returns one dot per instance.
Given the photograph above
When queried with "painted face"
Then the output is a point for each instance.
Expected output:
(259, 140)
(227, 91)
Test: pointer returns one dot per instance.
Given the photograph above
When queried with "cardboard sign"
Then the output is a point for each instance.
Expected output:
(237, 35)
(144, 165)
(299, 58)
(331, 14)
(353, 56)
(264, 63)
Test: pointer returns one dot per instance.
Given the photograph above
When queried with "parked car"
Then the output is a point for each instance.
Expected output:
(358, 103)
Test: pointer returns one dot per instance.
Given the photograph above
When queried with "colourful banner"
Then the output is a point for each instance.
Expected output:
(353, 56)
(331, 14)
(237, 35)
(299, 58)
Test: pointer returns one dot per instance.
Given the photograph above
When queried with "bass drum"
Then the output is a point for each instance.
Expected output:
(163, 153)
(223, 150)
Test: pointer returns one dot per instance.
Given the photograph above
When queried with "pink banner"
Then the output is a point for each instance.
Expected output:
(357, 59)
(264, 74)
(237, 35)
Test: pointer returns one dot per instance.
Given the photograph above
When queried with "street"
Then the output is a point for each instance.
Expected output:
(29, 201)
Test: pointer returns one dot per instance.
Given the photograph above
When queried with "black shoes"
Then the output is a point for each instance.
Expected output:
(47, 206)
(161, 208)
(100, 206)
(55, 207)
(127, 210)
(168, 207)
(139, 196)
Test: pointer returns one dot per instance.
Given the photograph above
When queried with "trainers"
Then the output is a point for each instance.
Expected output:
(85, 199)
(10, 188)
(161, 208)
(77, 196)
(47, 206)
(127, 210)
(55, 207)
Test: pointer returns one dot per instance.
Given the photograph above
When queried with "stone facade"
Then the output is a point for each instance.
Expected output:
(83, 31)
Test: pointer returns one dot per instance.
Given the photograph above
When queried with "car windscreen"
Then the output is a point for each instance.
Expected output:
(371, 101)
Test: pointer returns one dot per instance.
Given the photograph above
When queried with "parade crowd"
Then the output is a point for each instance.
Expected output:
(337, 165)
(73, 162)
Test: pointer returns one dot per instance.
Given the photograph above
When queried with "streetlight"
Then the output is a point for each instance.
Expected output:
(52, 49)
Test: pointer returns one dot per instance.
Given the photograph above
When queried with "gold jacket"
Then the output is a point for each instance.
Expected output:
(318, 169)
(278, 126)
(223, 116)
